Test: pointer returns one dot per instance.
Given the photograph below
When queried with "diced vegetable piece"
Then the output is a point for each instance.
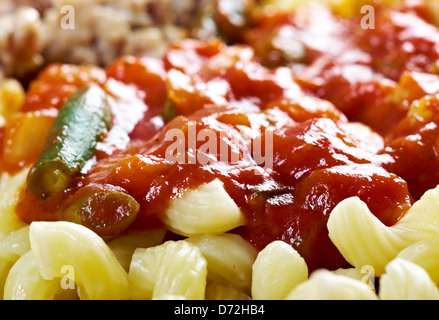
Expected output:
(11, 97)
(24, 137)
(169, 112)
(105, 209)
(72, 140)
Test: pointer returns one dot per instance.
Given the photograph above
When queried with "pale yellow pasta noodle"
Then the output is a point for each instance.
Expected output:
(15, 244)
(353, 273)
(207, 209)
(366, 274)
(123, 246)
(174, 268)
(229, 258)
(170, 297)
(12, 247)
(96, 271)
(360, 237)
(327, 285)
(216, 290)
(5, 267)
(9, 193)
(364, 240)
(24, 281)
(404, 280)
(278, 269)
(424, 253)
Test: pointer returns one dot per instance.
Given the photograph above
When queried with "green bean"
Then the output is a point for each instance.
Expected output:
(71, 142)
(107, 210)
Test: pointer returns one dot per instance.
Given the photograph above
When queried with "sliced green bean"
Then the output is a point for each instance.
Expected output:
(108, 210)
(71, 142)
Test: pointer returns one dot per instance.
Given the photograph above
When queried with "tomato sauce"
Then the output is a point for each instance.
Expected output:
(301, 107)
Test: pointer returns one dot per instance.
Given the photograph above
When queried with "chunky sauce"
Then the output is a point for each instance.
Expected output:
(302, 104)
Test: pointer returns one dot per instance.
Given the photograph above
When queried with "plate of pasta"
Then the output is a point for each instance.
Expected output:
(219, 150)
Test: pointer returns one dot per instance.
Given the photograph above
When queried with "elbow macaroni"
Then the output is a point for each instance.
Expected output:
(326, 285)
(277, 270)
(46, 259)
(229, 258)
(405, 280)
(9, 192)
(89, 261)
(24, 281)
(174, 268)
(364, 240)
(424, 253)
(207, 209)
(124, 246)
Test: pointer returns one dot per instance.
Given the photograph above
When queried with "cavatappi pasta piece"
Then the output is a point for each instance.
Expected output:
(404, 280)
(9, 193)
(229, 258)
(24, 281)
(123, 246)
(327, 285)
(174, 268)
(216, 290)
(278, 269)
(364, 240)
(93, 266)
(207, 209)
(424, 253)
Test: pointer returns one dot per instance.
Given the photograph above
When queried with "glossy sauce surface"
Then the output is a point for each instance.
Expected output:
(250, 94)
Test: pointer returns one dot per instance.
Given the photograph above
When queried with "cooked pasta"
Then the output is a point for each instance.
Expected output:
(124, 246)
(24, 281)
(365, 240)
(207, 209)
(219, 290)
(94, 267)
(175, 268)
(361, 237)
(15, 244)
(424, 253)
(326, 285)
(229, 258)
(278, 269)
(9, 192)
(12, 247)
(366, 274)
(306, 164)
(404, 280)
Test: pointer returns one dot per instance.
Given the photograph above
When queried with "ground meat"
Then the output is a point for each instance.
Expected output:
(21, 41)
(33, 34)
